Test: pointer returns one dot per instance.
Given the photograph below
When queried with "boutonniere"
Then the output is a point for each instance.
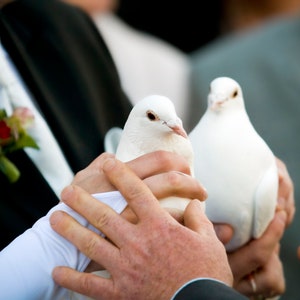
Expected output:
(13, 137)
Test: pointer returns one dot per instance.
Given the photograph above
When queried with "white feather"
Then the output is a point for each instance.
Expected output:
(235, 165)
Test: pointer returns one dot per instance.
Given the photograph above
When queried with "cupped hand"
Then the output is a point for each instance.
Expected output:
(260, 258)
(163, 172)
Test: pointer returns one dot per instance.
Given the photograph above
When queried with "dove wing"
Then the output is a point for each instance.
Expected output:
(265, 199)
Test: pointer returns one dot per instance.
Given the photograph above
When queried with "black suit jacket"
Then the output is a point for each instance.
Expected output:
(68, 69)
(208, 290)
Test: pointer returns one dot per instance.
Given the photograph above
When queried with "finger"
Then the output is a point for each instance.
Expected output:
(195, 218)
(286, 198)
(176, 213)
(138, 195)
(84, 283)
(159, 162)
(257, 252)
(92, 178)
(267, 281)
(96, 213)
(224, 232)
(87, 241)
(175, 184)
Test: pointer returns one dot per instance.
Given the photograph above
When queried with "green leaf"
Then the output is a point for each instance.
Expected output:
(9, 169)
(3, 114)
(24, 141)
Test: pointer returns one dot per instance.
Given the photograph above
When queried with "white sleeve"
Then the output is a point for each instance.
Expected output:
(27, 263)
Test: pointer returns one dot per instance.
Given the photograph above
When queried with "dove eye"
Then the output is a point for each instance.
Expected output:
(151, 116)
(235, 93)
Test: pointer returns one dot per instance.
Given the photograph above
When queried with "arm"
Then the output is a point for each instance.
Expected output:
(29, 260)
(152, 258)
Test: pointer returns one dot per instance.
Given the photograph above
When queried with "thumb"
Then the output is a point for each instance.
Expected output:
(224, 232)
(194, 217)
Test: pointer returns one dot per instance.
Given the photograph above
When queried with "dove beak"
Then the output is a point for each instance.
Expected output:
(177, 127)
(214, 104)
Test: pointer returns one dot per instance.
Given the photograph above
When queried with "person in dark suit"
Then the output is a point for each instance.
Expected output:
(74, 83)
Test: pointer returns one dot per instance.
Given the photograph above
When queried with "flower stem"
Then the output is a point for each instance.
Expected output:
(9, 169)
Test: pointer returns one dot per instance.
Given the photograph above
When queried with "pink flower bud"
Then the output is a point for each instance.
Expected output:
(25, 116)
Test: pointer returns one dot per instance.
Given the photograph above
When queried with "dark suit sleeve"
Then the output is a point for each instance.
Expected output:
(205, 289)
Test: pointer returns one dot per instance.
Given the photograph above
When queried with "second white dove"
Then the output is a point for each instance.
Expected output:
(234, 164)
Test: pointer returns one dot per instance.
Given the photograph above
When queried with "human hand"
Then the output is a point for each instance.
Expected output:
(157, 250)
(270, 278)
(162, 171)
(260, 258)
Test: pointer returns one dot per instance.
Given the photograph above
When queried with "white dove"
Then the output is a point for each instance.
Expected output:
(235, 165)
(151, 125)
(154, 125)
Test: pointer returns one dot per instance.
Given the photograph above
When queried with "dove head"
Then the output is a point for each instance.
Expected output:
(155, 115)
(224, 92)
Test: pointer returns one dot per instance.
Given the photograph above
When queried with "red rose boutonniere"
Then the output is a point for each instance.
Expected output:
(13, 137)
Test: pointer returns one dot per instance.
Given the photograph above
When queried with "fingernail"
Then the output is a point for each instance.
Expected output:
(56, 273)
(56, 217)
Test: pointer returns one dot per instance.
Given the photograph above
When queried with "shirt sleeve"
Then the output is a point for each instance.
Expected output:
(27, 263)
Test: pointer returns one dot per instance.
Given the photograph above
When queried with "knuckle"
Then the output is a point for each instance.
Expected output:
(163, 158)
(79, 176)
(171, 161)
(91, 247)
(105, 155)
(102, 219)
(136, 193)
(174, 179)
(85, 284)
(261, 258)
